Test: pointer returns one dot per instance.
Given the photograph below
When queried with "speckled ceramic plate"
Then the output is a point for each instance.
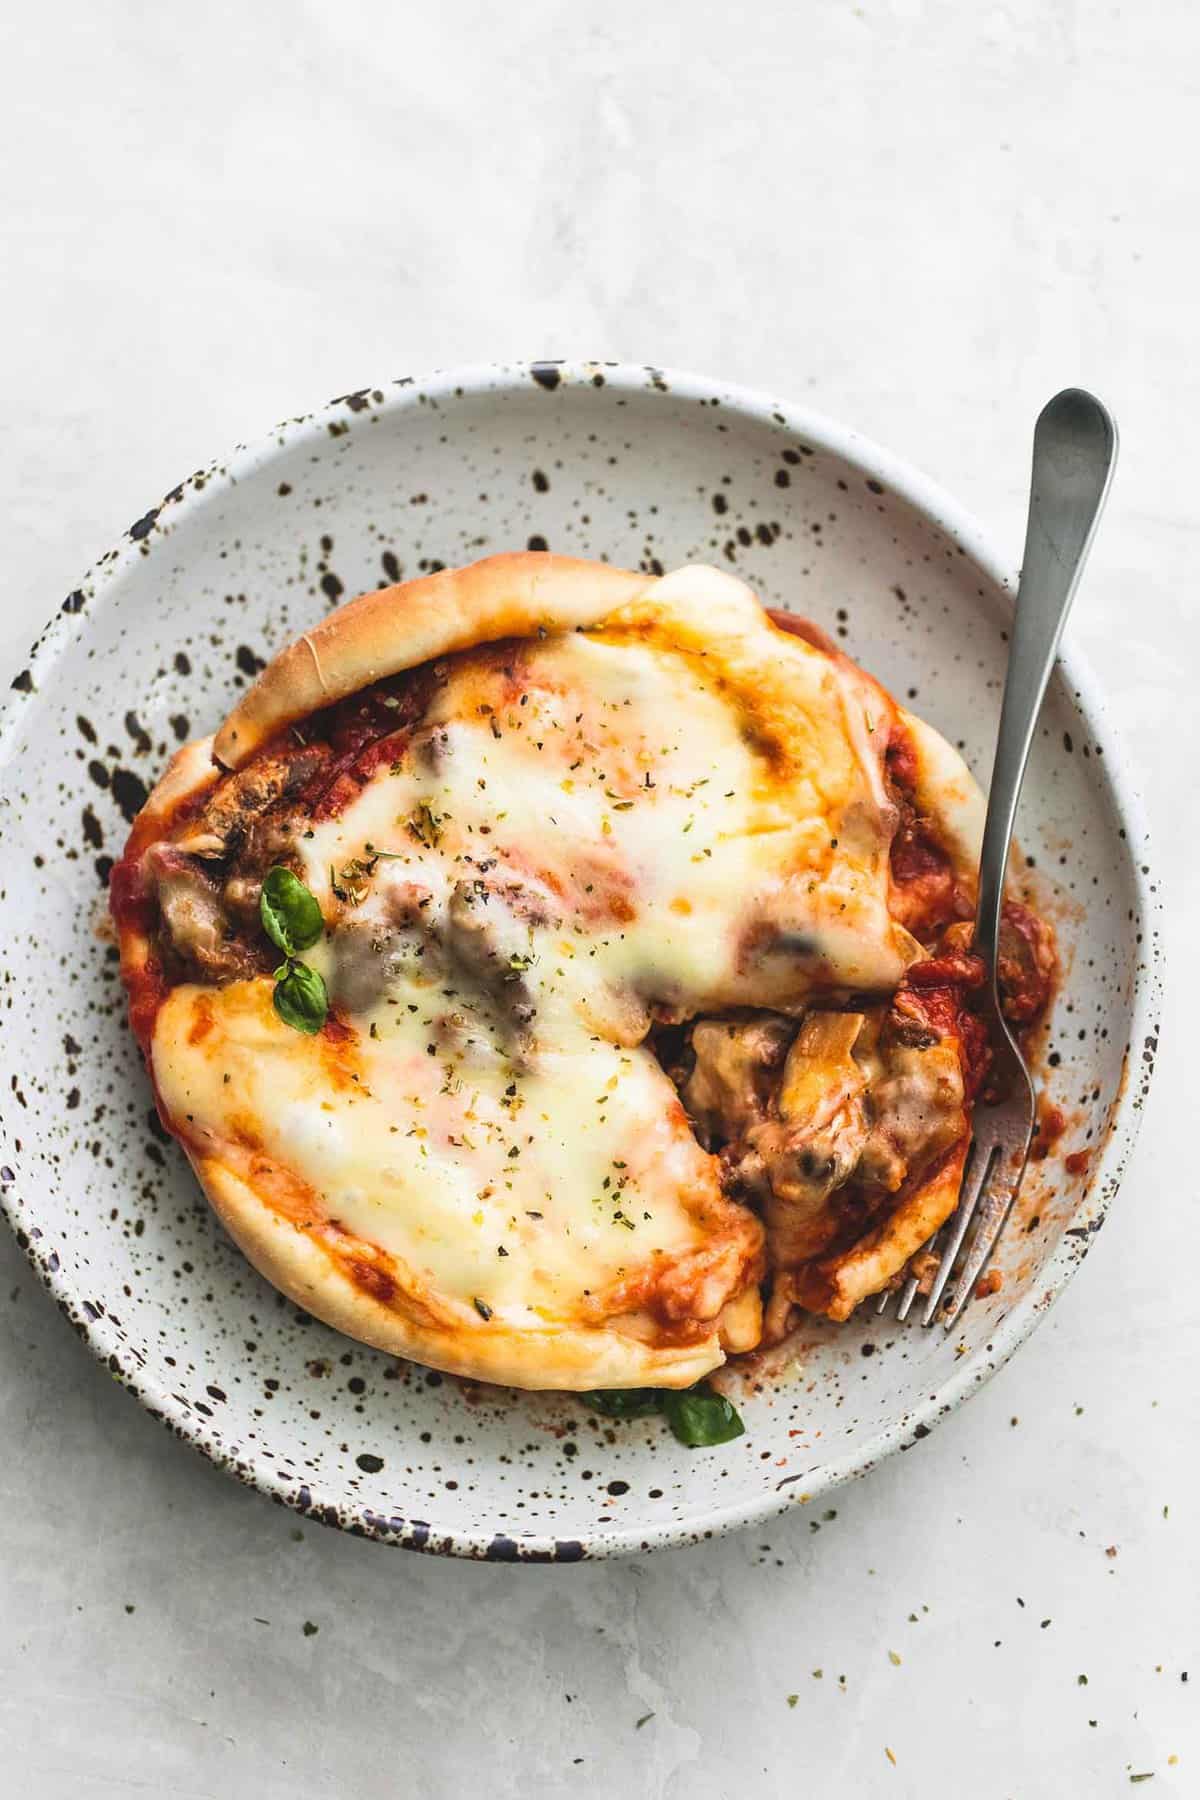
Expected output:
(647, 469)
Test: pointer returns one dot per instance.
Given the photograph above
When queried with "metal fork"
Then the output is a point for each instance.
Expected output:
(1074, 451)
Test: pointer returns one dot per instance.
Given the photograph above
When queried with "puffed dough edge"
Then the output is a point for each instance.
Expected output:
(563, 1357)
(397, 628)
(948, 793)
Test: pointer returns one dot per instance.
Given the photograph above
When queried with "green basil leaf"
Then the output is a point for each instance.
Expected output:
(301, 1000)
(624, 1403)
(699, 1417)
(290, 915)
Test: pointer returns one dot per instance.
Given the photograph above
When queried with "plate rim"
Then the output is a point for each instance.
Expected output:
(926, 496)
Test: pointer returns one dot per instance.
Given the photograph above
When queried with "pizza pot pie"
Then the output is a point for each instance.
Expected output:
(562, 976)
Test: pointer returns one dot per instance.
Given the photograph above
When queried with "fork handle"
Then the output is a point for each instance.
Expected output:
(1074, 450)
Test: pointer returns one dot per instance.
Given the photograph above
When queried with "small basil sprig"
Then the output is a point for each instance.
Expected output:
(292, 920)
(290, 915)
(300, 997)
(698, 1416)
(625, 1403)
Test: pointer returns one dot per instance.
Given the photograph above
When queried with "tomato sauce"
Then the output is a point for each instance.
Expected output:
(135, 914)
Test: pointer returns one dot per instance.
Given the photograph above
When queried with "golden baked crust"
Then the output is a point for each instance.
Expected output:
(396, 628)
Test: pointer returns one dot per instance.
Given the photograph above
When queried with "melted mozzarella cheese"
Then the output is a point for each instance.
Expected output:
(531, 1190)
(583, 833)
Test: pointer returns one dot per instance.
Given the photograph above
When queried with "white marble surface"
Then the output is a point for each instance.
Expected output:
(922, 218)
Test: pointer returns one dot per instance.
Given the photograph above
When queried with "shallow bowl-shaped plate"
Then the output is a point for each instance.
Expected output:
(646, 469)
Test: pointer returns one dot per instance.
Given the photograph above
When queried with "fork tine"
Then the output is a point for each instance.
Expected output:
(978, 1164)
(992, 1214)
(951, 1233)
(907, 1295)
